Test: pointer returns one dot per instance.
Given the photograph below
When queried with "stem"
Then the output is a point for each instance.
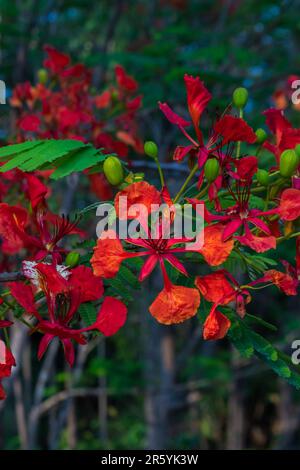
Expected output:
(183, 187)
(202, 192)
(238, 148)
(161, 175)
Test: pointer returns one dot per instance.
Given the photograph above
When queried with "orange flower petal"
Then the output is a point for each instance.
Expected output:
(215, 251)
(175, 304)
(107, 258)
(215, 287)
(216, 325)
(137, 193)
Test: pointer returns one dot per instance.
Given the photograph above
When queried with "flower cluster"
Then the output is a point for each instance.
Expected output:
(235, 222)
(64, 105)
(247, 207)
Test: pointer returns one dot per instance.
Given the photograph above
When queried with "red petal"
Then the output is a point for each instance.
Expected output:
(289, 207)
(125, 81)
(111, 316)
(107, 258)
(197, 98)
(90, 286)
(175, 304)
(215, 251)
(233, 129)
(216, 325)
(23, 295)
(173, 117)
(148, 267)
(45, 341)
(215, 288)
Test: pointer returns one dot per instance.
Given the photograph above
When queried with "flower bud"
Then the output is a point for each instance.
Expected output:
(72, 259)
(240, 97)
(261, 136)
(297, 150)
(113, 170)
(288, 163)
(263, 177)
(150, 149)
(42, 76)
(211, 169)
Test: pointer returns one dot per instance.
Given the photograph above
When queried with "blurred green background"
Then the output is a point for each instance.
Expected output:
(152, 386)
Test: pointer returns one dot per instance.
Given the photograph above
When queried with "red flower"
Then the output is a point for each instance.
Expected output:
(29, 123)
(125, 82)
(226, 129)
(63, 300)
(56, 60)
(7, 361)
(286, 137)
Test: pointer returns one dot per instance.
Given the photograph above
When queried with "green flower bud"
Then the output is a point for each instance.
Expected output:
(42, 76)
(211, 169)
(261, 136)
(288, 163)
(72, 259)
(240, 97)
(262, 177)
(150, 149)
(113, 170)
(297, 150)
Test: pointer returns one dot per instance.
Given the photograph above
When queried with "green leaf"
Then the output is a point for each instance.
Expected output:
(262, 346)
(88, 313)
(66, 156)
(240, 340)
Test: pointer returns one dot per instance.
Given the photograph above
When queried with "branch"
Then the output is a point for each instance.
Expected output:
(15, 276)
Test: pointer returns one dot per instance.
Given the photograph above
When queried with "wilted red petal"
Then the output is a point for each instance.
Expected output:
(233, 129)
(173, 117)
(111, 316)
(215, 287)
(107, 258)
(197, 98)
(289, 207)
(216, 325)
(215, 251)
(175, 304)
(137, 193)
